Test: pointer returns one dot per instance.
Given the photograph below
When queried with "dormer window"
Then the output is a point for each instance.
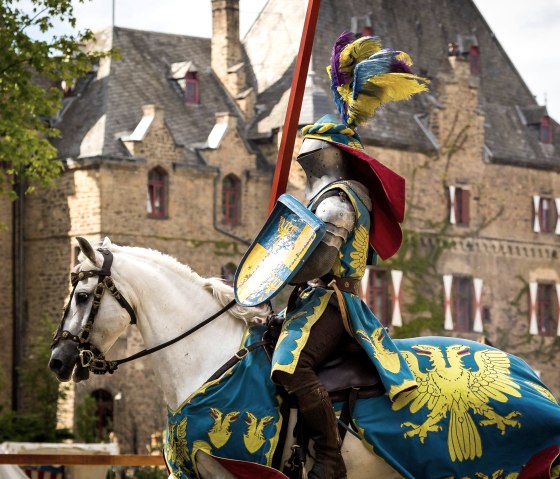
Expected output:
(68, 88)
(362, 26)
(191, 88)
(474, 60)
(185, 76)
(545, 133)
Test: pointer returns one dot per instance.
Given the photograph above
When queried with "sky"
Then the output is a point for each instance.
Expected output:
(528, 31)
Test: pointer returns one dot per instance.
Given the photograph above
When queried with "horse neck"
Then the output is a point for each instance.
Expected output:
(169, 303)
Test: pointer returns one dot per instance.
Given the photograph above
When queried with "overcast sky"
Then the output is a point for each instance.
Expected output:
(529, 31)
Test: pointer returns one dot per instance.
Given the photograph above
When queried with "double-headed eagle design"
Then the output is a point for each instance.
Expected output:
(448, 387)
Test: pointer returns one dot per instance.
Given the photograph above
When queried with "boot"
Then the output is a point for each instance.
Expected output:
(317, 411)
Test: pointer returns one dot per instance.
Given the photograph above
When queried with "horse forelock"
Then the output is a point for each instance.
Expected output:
(219, 290)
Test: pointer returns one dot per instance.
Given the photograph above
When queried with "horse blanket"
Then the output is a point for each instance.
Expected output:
(477, 413)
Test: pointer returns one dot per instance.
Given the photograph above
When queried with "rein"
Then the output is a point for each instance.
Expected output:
(90, 356)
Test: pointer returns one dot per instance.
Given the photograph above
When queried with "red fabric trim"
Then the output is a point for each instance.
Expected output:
(387, 192)
(539, 465)
(249, 470)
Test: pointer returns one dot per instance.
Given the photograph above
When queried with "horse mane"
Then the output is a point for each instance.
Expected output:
(216, 286)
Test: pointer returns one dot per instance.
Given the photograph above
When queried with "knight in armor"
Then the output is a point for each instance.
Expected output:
(361, 203)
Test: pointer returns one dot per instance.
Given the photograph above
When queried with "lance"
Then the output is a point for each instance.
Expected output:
(280, 181)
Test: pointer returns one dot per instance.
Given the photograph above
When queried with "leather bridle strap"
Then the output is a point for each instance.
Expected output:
(103, 366)
(104, 282)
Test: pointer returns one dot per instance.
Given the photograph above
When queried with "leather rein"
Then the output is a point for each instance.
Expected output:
(90, 356)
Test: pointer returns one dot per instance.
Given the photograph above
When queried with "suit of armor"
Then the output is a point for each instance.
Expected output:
(315, 320)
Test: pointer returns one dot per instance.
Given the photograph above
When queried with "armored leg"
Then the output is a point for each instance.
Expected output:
(313, 400)
(318, 413)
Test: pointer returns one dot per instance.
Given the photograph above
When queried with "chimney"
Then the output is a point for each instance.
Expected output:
(226, 56)
(226, 45)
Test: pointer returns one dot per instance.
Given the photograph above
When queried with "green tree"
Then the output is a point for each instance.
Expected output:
(38, 422)
(86, 420)
(31, 72)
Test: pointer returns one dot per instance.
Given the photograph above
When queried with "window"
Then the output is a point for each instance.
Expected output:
(459, 213)
(545, 133)
(474, 60)
(377, 295)
(462, 299)
(545, 216)
(157, 193)
(103, 413)
(191, 88)
(547, 309)
(231, 199)
(362, 26)
(463, 307)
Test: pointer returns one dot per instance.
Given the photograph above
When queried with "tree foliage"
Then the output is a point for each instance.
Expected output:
(31, 72)
(38, 423)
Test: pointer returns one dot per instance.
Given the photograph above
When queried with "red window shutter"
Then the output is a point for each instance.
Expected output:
(367, 31)
(545, 133)
(461, 206)
(191, 88)
(474, 60)
(465, 207)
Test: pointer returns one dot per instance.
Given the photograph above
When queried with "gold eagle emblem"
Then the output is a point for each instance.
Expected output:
(389, 360)
(220, 432)
(254, 437)
(448, 387)
(176, 445)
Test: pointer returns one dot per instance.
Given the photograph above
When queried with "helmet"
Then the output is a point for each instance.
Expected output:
(323, 164)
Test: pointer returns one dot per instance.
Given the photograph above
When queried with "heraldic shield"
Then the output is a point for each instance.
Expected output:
(288, 237)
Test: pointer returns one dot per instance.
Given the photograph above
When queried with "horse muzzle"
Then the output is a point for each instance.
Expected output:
(65, 363)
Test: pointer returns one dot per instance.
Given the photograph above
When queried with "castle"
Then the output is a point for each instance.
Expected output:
(174, 147)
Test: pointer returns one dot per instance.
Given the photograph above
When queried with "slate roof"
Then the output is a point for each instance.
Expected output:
(114, 101)
(109, 104)
(423, 29)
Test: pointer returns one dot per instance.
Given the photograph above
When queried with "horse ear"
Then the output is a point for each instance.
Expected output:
(87, 249)
(106, 242)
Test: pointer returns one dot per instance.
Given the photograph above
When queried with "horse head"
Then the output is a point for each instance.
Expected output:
(89, 326)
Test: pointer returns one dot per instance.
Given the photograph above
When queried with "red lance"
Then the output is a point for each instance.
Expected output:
(280, 181)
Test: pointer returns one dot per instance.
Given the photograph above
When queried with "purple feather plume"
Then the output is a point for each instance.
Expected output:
(337, 77)
(398, 66)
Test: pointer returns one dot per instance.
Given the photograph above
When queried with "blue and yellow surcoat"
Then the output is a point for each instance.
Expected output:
(368, 331)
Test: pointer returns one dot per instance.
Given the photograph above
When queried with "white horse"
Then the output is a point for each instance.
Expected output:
(168, 299)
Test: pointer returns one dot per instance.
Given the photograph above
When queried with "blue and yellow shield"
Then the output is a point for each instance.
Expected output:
(288, 237)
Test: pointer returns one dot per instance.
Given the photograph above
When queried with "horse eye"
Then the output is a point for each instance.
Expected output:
(82, 297)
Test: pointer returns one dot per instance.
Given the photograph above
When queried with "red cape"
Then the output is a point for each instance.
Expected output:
(387, 192)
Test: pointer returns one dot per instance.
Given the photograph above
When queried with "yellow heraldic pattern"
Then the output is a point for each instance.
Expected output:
(220, 432)
(176, 446)
(254, 438)
(359, 255)
(389, 359)
(448, 387)
(545, 392)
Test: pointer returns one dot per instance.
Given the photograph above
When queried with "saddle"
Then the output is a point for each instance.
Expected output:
(349, 368)
(348, 375)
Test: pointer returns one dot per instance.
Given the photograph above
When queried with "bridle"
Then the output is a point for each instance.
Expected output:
(90, 356)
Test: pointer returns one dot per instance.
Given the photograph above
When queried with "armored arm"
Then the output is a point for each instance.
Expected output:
(336, 210)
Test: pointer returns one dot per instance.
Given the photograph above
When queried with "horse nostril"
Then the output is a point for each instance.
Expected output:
(55, 365)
